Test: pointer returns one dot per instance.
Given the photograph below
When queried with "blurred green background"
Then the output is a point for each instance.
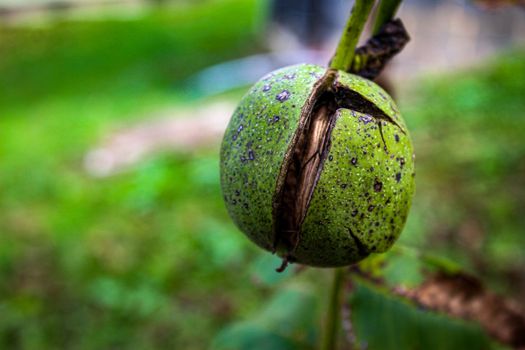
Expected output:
(147, 257)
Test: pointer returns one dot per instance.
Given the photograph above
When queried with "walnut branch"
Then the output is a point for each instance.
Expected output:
(370, 59)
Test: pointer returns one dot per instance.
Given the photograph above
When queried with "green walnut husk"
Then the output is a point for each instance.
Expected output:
(317, 166)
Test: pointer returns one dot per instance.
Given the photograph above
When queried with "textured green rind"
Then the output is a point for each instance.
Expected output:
(364, 190)
(255, 143)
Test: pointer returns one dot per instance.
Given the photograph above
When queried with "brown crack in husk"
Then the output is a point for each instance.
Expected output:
(352, 100)
(301, 167)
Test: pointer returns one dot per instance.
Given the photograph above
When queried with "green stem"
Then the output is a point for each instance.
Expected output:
(386, 11)
(333, 318)
(344, 54)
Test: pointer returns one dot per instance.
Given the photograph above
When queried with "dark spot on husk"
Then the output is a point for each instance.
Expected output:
(353, 161)
(366, 119)
(266, 87)
(283, 96)
(396, 137)
(398, 177)
(378, 186)
(371, 207)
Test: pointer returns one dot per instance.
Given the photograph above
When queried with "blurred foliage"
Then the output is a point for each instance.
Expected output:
(470, 162)
(287, 321)
(123, 56)
(132, 261)
(148, 258)
(383, 322)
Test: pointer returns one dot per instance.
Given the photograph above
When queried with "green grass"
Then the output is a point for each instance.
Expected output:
(148, 258)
